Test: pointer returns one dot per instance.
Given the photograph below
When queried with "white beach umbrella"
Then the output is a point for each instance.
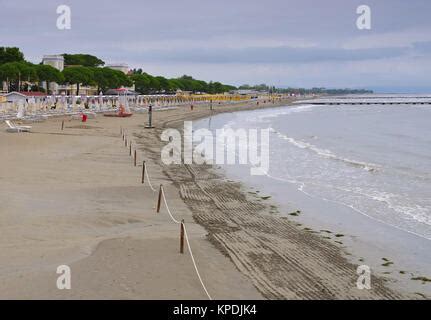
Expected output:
(83, 99)
(21, 109)
(31, 104)
(100, 100)
(63, 101)
(126, 106)
(122, 100)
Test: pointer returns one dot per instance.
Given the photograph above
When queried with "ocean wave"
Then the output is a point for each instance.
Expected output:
(371, 167)
(407, 211)
(395, 202)
(281, 112)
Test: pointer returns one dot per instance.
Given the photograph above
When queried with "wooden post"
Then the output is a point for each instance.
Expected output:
(143, 172)
(62, 125)
(130, 149)
(182, 237)
(134, 159)
(159, 201)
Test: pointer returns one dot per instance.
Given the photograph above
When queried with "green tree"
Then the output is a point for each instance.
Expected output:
(107, 78)
(142, 82)
(10, 54)
(216, 87)
(163, 84)
(137, 71)
(84, 60)
(16, 72)
(49, 74)
(147, 84)
(174, 85)
(27, 72)
(78, 76)
(9, 72)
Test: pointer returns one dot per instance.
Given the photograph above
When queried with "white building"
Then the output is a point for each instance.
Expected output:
(15, 96)
(56, 61)
(123, 67)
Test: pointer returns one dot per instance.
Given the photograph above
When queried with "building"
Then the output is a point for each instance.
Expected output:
(121, 91)
(180, 92)
(247, 92)
(70, 90)
(54, 60)
(23, 95)
(123, 67)
(57, 61)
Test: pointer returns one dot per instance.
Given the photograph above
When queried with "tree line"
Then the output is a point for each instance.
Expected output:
(85, 69)
(146, 84)
(88, 70)
(303, 91)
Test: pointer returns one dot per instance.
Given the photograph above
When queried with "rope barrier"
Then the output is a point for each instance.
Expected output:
(148, 179)
(162, 193)
(167, 207)
(193, 260)
(188, 243)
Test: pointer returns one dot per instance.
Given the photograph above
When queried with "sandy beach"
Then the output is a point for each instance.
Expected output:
(74, 197)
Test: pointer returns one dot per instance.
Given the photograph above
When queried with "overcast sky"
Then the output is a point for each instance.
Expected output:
(280, 42)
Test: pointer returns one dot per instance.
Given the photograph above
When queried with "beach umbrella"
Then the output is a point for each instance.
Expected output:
(127, 106)
(53, 99)
(63, 101)
(32, 104)
(83, 99)
(122, 100)
(100, 99)
(21, 109)
(73, 101)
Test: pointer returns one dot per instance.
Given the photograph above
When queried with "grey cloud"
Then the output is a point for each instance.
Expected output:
(272, 55)
(123, 31)
(423, 47)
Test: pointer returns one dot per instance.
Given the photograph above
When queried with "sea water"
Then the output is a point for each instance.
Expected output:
(374, 160)
(362, 172)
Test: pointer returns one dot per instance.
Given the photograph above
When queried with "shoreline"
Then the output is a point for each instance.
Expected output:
(198, 183)
(112, 223)
(397, 256)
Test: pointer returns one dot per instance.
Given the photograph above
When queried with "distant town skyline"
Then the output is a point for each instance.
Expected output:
(282, 43)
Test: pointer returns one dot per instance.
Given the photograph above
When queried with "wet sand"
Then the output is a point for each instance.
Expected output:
(74, 197)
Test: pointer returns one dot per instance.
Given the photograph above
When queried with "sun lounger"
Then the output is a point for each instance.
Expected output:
(16, 128)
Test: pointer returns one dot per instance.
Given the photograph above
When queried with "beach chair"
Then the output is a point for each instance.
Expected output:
(16, 128)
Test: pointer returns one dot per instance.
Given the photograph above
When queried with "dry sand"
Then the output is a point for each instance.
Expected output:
(74, 197)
